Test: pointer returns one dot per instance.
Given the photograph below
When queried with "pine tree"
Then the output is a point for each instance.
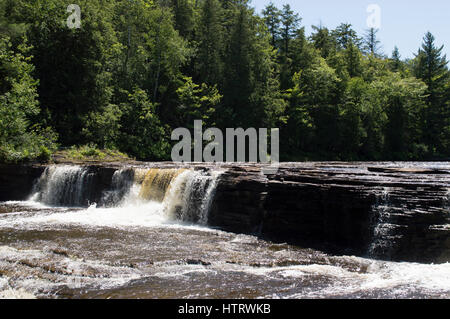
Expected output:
(431, 66)
(371, 42)
(289, 30)
(289, 24)
(396, 63)
(238, 75)
(344, 36)
(211, 37)
(272, 19)
(353, 59)
(184, 17)
(322, 40)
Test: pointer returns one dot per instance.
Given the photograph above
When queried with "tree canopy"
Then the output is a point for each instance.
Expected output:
(135, 70)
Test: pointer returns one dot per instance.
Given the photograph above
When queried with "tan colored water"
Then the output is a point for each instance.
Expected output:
(156, 182)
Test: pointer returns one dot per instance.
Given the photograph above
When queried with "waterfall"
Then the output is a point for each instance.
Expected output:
(178, 194)
(447, 199)
(190, 195)
(186, 195)
(384, 230)
(156, 182)
(64, 186)
(121, 184)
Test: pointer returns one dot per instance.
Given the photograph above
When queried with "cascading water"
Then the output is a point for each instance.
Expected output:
(190, 195)
(156, 182)
(186, 195)
(176, 194)
(448, 199)
(384, 234)
(64, 186)
(122, 182)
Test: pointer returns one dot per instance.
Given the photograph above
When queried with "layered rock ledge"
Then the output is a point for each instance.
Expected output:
(367, 209)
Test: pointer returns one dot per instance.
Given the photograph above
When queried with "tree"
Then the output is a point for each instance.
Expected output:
(431, 67)
(289, 24)
(73, 65)
(345, 36)
(272, 19)
(184, 17)
(353, 59)
(197, 102)
(322, 40)
(289, 30)
(210, 49)
(396, 63)
(403, 100)
(151, 55)
(143, 133)
(313, 108)
(238, 76)
(20, 138)
(371, 42)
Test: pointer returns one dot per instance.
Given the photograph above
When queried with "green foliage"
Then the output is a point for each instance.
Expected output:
(90, 152)
(211, 43)
(143, 134)
(197, 102)
(103, 127)
(20, 140)
(136, 70)
(431, 67)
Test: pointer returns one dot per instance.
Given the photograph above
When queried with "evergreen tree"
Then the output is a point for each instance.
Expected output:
(289, 24)
(272, 19)
(431, 67)
(238, 75)
(353, 58)
(396, 62)
(289, 30)
(184, 17)
(345, 36)
(322, 40)
(371, 42)
(211, 37)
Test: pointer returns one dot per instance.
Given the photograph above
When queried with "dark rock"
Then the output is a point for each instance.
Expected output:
(16, 181)
(399, 214)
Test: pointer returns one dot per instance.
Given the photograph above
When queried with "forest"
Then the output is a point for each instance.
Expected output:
(134, 70)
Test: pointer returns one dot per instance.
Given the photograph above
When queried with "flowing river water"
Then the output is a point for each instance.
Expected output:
(148, 238)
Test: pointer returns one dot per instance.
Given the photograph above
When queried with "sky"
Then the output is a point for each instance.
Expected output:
(403, 23)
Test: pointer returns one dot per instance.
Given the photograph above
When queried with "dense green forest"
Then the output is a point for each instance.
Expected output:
(137, 69)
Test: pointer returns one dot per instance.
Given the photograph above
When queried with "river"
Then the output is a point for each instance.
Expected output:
(150, 239)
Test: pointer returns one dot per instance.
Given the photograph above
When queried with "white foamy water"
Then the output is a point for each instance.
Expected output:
(380, 276)
(186, 202)
(65, 272)
(6, 292)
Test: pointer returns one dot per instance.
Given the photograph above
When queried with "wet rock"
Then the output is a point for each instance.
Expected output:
(16, 181)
